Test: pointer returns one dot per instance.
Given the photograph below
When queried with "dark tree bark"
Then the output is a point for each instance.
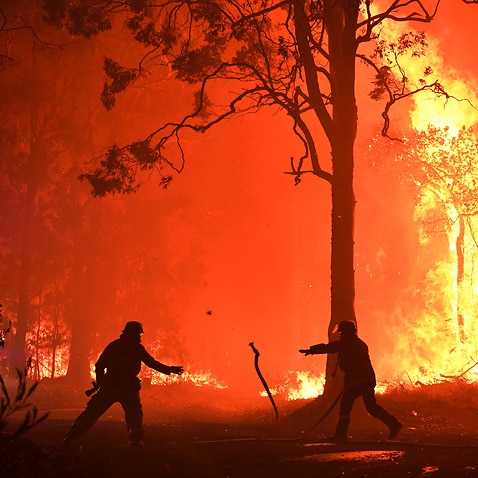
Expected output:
(27, 250)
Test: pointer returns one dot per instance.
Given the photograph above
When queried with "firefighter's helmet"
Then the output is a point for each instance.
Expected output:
(133, 328)
(347, 327)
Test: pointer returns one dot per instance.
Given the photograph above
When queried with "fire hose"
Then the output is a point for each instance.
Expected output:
(311, 429)
(263, 380)
(283, 439)
(332, 406)
(271, 398)
(322, 418)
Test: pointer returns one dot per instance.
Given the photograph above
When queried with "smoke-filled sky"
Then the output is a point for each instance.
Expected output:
(257, 246)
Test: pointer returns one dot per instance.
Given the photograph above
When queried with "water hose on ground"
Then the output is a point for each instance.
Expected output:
(263, 380)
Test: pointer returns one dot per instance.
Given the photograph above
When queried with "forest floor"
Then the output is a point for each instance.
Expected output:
(208, 433)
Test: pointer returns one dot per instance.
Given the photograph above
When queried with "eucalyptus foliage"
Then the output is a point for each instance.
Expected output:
(18, 402)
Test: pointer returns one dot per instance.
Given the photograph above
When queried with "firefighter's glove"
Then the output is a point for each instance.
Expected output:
(177, 369)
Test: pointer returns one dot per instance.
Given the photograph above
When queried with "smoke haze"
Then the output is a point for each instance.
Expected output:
(231, 252)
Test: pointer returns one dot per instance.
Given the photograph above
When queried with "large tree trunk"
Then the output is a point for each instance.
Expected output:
(340, 20)
(17, 355)
(81, 282)
(35, 160)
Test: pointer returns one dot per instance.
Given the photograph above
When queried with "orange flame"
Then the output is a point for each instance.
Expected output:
(440, 341)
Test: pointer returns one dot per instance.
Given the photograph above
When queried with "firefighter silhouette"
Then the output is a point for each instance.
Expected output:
(359, 379)
(117, 380)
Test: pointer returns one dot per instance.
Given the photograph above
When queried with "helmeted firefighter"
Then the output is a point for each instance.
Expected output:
(117, 380)
(359, 379)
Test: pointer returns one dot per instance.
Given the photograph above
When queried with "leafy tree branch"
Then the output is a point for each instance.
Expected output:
(19, 402)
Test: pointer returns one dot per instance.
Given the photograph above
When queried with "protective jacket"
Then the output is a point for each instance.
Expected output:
(353, 359)
(121, 359)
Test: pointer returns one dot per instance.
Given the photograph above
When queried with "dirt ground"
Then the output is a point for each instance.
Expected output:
(210, 433)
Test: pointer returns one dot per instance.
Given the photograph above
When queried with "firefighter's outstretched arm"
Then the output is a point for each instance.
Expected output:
(166, 369)
(151, 362)
(319, 349)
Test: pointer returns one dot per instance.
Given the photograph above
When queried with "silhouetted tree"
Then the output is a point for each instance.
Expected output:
(298, 56)
(24, 166)
(56, 241)
(35, 127)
